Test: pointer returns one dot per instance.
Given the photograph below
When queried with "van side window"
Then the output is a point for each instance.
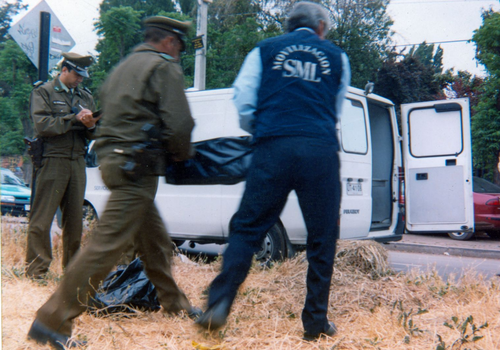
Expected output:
(353, 127)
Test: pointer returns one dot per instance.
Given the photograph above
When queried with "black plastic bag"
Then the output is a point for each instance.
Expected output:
(124, 290)
(221, 161)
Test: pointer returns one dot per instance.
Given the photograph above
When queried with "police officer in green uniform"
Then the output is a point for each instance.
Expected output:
(62, 117)
(145, 89)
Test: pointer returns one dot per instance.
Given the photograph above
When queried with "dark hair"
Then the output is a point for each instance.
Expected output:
(155, 35)
(307, 14)
(65, 64)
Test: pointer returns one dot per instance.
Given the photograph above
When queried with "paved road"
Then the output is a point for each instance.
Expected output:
(423, 252)
(445, 265)
(481, 246)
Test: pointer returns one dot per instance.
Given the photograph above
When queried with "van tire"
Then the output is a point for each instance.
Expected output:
(274, 245)
(461, 236)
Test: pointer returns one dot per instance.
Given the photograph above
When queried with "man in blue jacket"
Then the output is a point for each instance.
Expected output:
(288, 93)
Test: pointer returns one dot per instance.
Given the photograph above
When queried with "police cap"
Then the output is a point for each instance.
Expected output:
(172, 25)
(78, 63)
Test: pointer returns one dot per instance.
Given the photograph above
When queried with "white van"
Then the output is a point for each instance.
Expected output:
(437, 161)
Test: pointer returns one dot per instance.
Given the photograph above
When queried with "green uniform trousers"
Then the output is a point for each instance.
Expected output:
(59, 182)
(130, 215)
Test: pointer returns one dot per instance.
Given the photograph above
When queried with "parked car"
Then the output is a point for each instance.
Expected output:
(486, 210)
(16, 196)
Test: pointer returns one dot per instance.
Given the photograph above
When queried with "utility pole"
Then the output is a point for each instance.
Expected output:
(200, 65)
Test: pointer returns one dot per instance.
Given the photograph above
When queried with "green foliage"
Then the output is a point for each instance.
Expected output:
(16, 79)
(362, 29)
(487, 42)
(7, 10)
(486, 121)
(233, 31)
(119, 31)
(425, 54)
(412, 77)
(465, 335)
(406, 81)
(148, 8)
(405, 319)
(228, 49)
(485, 129)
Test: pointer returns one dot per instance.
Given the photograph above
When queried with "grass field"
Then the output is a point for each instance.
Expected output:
(372, 306)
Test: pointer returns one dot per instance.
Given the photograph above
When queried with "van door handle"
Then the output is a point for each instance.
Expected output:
(422, 176)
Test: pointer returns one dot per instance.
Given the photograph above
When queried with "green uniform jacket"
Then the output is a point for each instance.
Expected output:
(146, 88)
(56, 124)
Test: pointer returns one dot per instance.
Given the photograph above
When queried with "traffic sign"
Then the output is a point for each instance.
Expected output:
(26, 32)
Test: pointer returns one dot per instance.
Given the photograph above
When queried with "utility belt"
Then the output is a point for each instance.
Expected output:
(148, 158)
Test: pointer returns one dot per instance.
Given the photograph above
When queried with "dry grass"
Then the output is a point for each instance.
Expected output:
(373, 307)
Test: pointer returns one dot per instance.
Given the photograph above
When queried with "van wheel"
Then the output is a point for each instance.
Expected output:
(461, 236)
(273, 246)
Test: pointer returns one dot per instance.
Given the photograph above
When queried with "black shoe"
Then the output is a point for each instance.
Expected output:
(215, 316)
(41, 334)
(331, 331)
(194, 313)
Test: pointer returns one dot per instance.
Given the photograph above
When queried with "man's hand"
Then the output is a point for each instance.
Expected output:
(86, 118)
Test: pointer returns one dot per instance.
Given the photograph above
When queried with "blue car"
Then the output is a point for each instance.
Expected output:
(16, 195)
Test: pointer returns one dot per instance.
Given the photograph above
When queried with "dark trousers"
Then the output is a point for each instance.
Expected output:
(59, 182)
(280, 165)
(130, 216)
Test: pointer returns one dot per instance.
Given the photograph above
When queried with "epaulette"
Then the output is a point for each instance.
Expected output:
(37, 84)
(87, 89)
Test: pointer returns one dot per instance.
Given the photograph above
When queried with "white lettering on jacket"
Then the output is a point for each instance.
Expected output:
(298, 69)
(294, 68)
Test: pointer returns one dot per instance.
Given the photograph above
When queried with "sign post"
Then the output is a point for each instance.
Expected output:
(35, 42)
(43, 52)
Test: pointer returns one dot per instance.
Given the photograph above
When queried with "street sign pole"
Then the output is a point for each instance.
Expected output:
(43, 53)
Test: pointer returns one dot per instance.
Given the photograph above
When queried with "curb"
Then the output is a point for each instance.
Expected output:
(464, 252)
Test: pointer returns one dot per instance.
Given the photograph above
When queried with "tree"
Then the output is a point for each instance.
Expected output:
(234, 28)
(486, 121)
(16, 78)
(427, 56)
(362, 29)
(6, 12)
(147, 8)
(408, 79)
(119, 30)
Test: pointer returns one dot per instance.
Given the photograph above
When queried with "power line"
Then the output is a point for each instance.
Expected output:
(436, 42)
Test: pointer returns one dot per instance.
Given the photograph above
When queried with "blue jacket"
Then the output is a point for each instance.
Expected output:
(292, 85)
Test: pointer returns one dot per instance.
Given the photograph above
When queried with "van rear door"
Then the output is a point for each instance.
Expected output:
(438, 166)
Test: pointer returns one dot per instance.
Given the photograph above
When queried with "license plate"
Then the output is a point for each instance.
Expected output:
(27, 207)
(354, 189)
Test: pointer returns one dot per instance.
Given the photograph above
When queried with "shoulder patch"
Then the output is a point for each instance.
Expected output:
(37, 84)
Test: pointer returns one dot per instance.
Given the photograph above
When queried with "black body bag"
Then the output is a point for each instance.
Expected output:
(220, 161)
